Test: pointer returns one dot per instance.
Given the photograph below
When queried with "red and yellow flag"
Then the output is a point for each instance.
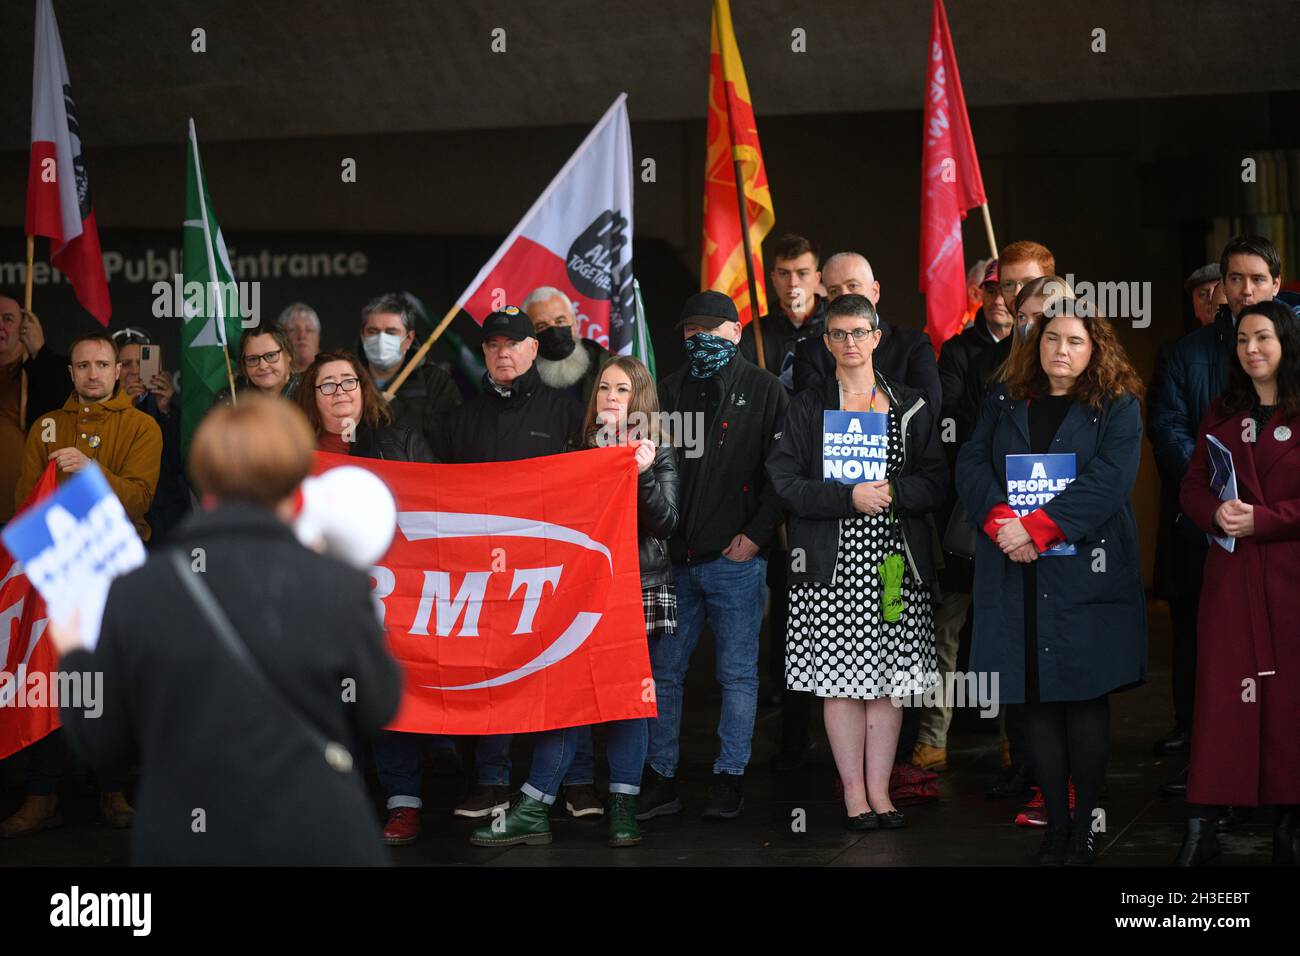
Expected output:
(732, 135)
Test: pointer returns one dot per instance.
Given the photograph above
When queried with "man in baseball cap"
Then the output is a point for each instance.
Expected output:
(516, 416)
(729, 515)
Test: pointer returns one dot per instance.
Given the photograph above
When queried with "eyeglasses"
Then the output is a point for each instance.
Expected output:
(860, 333)
(1012, 286)
(329, 388)
(270, 358)
(128, 335)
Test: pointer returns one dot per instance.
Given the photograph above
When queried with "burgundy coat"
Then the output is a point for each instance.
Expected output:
(1247, 752)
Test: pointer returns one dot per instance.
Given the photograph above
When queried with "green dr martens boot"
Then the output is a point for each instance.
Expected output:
(623, 829)
(527, 821)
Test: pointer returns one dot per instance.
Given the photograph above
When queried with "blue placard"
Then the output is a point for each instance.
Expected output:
(1034, 480)
(855, 446)
(73, 543)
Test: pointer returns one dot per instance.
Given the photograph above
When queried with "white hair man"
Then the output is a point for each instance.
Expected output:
(301, 323)
(904, 354)
(564, 360)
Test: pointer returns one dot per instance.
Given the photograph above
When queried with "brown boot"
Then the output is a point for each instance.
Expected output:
(117, 813)
(36, 814)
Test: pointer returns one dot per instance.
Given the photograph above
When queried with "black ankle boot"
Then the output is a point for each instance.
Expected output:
(1286, 839)
(1200, 843)
(1052, 852)
(1082, 850)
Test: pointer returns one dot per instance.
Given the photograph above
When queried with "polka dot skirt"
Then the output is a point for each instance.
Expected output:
(837, 644)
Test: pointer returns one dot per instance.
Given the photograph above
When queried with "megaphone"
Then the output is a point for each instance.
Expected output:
(348, 513)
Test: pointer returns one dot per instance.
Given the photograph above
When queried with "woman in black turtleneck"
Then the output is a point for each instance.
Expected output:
(1060, 615)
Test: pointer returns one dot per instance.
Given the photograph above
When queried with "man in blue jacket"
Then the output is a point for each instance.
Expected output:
(1194, 374)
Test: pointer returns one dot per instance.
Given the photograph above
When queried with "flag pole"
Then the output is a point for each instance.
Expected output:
(213, 283)
(418, 357)
(988, 230)
(742, 206)
(27, 307)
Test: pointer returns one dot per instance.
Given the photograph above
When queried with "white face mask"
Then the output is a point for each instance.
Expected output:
(383, 350)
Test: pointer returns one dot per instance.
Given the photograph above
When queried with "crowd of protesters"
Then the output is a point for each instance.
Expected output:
(868, 586)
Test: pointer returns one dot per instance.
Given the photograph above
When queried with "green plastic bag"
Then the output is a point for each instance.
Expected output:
(891, 595)
(891, 576)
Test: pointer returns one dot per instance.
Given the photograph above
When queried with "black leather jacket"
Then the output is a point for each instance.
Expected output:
(656, 517)
(392, 443)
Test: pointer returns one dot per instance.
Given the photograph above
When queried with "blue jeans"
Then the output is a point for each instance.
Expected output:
(45, 760)
(729, 594)
(492, 756)
(397, 764)
(554, 756)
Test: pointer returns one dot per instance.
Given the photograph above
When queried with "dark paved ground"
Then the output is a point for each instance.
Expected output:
(1143, 827)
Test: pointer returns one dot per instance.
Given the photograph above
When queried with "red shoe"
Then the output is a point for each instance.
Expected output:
(403, 826)
(1034, 813)
(910, 786)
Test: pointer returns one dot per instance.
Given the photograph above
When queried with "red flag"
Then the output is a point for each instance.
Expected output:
(58, 189)
(513, 612)
(950, 185)
(24, 654)
(732, 134)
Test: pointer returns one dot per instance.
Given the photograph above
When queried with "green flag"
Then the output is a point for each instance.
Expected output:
(211, 301)
(642, 347)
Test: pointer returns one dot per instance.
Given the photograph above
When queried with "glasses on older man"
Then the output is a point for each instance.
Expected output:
(860, 333)
(270, 358)
(329, 388)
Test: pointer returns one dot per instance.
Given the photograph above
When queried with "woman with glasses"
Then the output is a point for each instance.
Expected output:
(860, 489)
(350, 417)
(265, 364)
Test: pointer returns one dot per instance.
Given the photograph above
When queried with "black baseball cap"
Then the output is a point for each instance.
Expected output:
(511, 323)
(708, 310)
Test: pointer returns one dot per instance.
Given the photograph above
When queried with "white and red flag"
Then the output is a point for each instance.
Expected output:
(58, 189)
(577, 237)
(950, 185)
(28, 662)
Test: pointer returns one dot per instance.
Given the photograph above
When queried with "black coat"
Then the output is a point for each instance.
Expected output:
(48, 383)
(210, 739)
(533, 421)
(392, 443)
(730, 493)
(903, 355)
(657, 517)
(425, 400)
(780, 336)
(958, 361)
(958, 365)
(171, 499)
(1193, 374)
(1092, 623)
(817, 506)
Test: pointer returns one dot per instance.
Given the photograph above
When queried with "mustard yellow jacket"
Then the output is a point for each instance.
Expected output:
(124, 441)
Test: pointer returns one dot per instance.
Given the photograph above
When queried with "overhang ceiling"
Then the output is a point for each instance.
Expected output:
(285, 68)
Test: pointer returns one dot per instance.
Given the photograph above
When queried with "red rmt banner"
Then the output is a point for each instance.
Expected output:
(512, 593)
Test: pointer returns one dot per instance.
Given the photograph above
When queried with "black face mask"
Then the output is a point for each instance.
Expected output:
(555, 343)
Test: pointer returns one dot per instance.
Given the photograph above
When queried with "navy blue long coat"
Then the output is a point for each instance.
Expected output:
(1092, 626)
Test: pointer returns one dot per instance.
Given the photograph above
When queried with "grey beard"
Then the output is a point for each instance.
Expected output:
(566, 371)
